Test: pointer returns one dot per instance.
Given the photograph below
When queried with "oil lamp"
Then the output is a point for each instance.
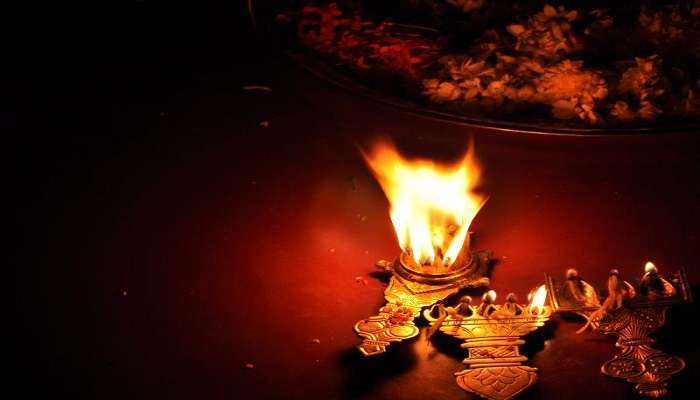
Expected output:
(631, 313)
(432, 207)
(492, 334)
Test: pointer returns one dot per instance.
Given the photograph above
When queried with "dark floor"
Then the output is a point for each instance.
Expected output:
(167, 239)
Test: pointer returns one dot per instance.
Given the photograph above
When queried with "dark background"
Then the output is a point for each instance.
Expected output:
(166, 239)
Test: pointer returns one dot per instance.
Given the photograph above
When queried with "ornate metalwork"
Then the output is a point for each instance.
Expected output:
(574, 295)
(642, 312)
(492, 335)
(408, 292)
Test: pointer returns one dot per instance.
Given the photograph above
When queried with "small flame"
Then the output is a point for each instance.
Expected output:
(432, 206)
(649, 267)
(490, 296)
(538, 299)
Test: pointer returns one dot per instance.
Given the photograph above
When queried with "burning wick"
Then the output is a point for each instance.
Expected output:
(432, 206)
(538, 299)
(653, 285)
(650, 268)
(486, 307)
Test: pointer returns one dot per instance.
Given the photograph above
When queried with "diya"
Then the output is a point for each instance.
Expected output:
(492, 334)
(631, 312)
(432, 207)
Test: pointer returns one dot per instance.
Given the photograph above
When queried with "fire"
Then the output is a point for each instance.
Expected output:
(538, 299)
(432, 206)
(649, 267)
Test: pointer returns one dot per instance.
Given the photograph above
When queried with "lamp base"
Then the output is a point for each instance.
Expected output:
(409, 291)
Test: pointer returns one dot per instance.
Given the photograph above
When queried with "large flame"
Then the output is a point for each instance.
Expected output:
(432, 206)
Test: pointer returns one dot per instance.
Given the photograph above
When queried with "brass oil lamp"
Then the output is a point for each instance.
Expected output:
(432, 207)
(631, 312)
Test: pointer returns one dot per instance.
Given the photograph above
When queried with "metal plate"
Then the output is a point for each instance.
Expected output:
(262, 15)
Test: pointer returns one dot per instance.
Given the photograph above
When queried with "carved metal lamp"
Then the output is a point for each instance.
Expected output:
(411, 289)
(493, 334)
(630, 312)
(431, 207)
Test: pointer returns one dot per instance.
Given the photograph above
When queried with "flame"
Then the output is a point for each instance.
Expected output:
(538, 299)
(432, 206)
(649, 267)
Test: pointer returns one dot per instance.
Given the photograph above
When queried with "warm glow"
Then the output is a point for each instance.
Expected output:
(649, 267)
(432, 206)
(538, 299)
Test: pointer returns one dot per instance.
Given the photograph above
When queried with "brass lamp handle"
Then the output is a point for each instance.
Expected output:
(393, 324)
